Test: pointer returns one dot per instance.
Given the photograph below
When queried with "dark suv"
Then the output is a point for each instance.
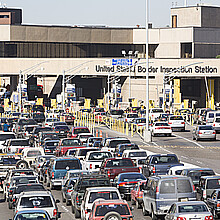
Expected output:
(82, 183)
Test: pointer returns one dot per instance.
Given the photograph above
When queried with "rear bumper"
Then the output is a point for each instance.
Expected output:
(56, 182)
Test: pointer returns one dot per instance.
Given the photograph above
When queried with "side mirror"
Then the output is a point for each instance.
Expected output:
(57, 201)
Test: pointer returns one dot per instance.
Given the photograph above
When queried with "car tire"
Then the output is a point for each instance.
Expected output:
(77, 213)
(112, 215)
(67, 202)
(72, 209)
(9, 205)
(145, 213)
(22, 164)
(193, 137)
(138, 205)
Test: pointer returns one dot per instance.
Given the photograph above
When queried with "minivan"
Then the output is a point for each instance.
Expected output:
(211, 115)
(162, 191)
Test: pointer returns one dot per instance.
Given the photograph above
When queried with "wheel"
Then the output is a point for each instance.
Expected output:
(153, 216)
(138, 205)
(193, 137)
(10, 205)
(144, 211)
(132, 202)
(77, 213)
(68, 202)
(112, 216)
(22, 164)
(72, 209)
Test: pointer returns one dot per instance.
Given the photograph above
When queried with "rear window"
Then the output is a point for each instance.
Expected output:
(81, 130)
(193, 208)
(176, 118)
(51, 144)
(213, 184)
(195, 175)
(164, 159)
(132, 177)
(167, 187)
(71, 142)
(114, 143)
(85, 183)
(36, 202)
(217, 119)
(143, 120)
(184, 186)
(61, 127)
(25, 180)
(97, 156)
(116, 112)
(27, 122)
(37, 130)
(51, 119)
(9, 161)
(206, 128)
(20, 143)
(119, 163)
(211, 115)
(32, 216)
(26, 188)
(83, 152)
(132, 116)
(102, 210)
(137, 154)
(65, 164)
(33, 153)
(102, 195)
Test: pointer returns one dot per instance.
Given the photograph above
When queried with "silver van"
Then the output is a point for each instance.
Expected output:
(162, 191)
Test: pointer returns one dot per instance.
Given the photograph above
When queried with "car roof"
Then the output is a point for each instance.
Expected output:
(36, 193)
(91, 189)
(198, 169)
(210, 177)
(190, 203)
(170, 177)
(103, 202)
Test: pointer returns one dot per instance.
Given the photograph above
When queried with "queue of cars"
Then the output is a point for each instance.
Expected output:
(97, 175)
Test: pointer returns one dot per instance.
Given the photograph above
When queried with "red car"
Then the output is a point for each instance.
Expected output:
(137, 194)
(110, 209)
(77, 130)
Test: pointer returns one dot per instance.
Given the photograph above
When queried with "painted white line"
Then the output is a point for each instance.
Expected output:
(186, 139)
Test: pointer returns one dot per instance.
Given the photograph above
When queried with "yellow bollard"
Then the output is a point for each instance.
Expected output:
(127, 129)
(132, 129)
(123, 127)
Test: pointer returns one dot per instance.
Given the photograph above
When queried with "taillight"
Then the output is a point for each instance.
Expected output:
(69, 190)
(181, 218)
(14, 200)
(194, 188)
(213, 125)
(52, 175)
(170, 123)
(199, 132)
(54, 212)
(77, 199)
(204, 194)
(154, 170)
(214, 132)
(122, 184)
(182, 123)
(209, 217)
(157, 189)
(90, 166)
(108, 173)
(218, 205)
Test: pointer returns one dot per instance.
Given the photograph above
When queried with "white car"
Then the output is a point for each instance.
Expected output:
(161, 128)
(94, 159)
(155, 113)
(38, 200)
(4, 136)
(177, 170)
(177, 122)
(129, 117)
(216, 124)
(13, 145)
(94, 194)
(83, 137)
(50, 121)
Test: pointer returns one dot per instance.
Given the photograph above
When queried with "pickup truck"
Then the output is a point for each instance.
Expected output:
(93, 160)
(114, 166)
(159, 164)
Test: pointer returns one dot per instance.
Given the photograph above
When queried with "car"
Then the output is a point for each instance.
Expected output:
(61, 130)
(77, 130)
(162, 191)
(91, 140)
(161, 128)
(176, 122)
(37, 108)
(196, 173)
(83, 137)
(50, 121)
(137, 193)
(207, 184)
(50, 146)
(111, 144)
(154, 113)
(138, 123)
(39, 117)
(82, 152)
(22, 122)
(13, 144)
(204, 132)
(115, 113)
(5, 136)
(57, 123)
(177, 170)
(189, 210)
(213, 203)
(125, 182)
(38, 200)
(135, 154)
(95, 193)
(69, 118)
(129, 117)
(216, 124)
(120, 148)
(110, 209)
(32, 214)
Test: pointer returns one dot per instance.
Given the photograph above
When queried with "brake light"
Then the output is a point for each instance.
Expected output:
(157, 189)
(182, 123)
(209, 217)
(194, 188)
(204, 194)
(170, 123)
(214, 132)
(108, 173)
(122, 184)
(14, 200)
(154, 170)
(77, 199)
(181, 218)
(200, 132)
(54, 212)
(86, 212)
(213, 125)
(218, 205)
(69, 190)
(52, 175)
(90, 166)
(46, 124)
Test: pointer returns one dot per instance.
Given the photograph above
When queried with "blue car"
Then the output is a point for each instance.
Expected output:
(32, 214)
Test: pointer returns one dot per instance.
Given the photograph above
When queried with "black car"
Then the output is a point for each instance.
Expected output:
(39, 117)
(214, 203)
(37, 108)
(22, 122)
(62, 130)
(50, 146)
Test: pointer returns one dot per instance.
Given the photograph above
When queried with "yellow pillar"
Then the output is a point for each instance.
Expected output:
(211, 86)
(87, 103)
(134, 103)
(127, 129)
(186, 103)
(177, 93)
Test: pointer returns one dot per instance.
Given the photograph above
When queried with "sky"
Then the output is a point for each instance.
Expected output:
(113, 13)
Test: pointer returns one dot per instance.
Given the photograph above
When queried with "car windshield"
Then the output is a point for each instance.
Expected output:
(31, 216)
(67, 165)
(119, 163)
(33, 153)
(81, 130)
(102, 210)
(137, 154)
(83, 152)
(213, 184)
(70, 142)
(131, 177)
(192, 208)
(51, 119)
(132, 115)
(205, 128)
(176, 118)
(36, 202)
(164, 159)
(4, 137)
(102, 195)
(99, 156)
(19, 143)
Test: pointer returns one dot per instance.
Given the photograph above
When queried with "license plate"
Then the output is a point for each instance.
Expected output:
(62, 132)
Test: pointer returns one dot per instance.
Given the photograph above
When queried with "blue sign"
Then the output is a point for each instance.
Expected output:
(118, 90)
(71, 90)
(167, 91)
(121, 62)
